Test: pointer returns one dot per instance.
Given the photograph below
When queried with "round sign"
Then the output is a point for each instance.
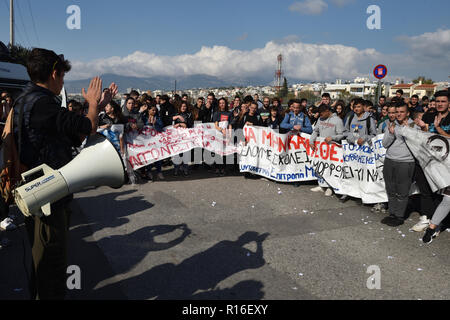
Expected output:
(380, 71)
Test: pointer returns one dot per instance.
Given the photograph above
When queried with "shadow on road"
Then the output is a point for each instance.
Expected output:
(201, 272)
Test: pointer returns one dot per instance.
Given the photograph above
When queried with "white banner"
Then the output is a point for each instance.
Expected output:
(432, 152)
(148, 145)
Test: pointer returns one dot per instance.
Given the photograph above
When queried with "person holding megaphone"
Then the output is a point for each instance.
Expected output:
(45, 134)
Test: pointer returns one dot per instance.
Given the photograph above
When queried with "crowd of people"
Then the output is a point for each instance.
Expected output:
(357, 122)
(51, 134)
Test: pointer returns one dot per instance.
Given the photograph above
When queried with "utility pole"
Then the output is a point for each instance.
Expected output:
(11, 22)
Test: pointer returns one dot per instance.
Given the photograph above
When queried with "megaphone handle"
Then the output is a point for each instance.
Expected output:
(33, 171)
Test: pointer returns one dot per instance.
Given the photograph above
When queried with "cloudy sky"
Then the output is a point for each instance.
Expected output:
(319, 39)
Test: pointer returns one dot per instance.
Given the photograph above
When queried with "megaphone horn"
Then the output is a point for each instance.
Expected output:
(98, 164)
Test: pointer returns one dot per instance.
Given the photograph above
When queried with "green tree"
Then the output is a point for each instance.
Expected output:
(308, 95)
(424, 81)
(284, 89)
(19, 54)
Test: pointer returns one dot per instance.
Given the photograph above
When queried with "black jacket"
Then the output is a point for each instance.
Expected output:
(48, 131)
(167, 111)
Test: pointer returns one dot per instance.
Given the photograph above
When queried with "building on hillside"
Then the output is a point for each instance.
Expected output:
(407, 88)
(425, 90)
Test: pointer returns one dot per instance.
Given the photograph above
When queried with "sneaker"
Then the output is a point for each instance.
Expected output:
(429, 235)
(149, 176)
(344, 198)
(160, 176)
(186, 172)
(422, 225)
(7, 224)
(395, 222)
(317, 189)
(175, 173)
(222, 173)
(329, 192)
(376, 207)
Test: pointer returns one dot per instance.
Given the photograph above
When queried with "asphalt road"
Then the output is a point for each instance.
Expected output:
(208, 237)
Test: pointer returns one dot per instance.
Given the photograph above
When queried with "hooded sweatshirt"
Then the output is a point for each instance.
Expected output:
(331, 127)
(396, 148)
(357, 128)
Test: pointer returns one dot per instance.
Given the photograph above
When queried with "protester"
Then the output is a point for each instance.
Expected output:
(277, 104)
(222, 122)
(360, 127)
(48, 137)
(440, 125)
(389, 119)
(398, 168)
(330, 127)
(134, 118)
(183, 119)
(274, 120)
(256, 99)
(155, 122)
(264, 111)
(250, 118)
(167, 111)
(381, 103)
(296, 121)
(340, 110)
(414, 105)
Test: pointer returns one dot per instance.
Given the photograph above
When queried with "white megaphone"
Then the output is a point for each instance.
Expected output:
(98, 164)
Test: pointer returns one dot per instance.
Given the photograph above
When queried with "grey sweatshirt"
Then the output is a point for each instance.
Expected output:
(396, 148)
(332, 127)
(358, 129)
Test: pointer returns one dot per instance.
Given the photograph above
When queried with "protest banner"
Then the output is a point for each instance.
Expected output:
(147, 146)
(432, 153)
(280, 157)
(359, 173)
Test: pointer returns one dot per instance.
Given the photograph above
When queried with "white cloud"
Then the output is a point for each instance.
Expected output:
(301, 60)
(342, 3)
(309, 7)
(434, 45)
(428, 54)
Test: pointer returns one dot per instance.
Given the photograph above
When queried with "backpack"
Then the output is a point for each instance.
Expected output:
(10, 166)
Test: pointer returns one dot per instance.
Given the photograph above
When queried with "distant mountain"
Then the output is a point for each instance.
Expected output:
(167, 83)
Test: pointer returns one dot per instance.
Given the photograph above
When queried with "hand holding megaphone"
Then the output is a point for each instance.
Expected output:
(48, 185)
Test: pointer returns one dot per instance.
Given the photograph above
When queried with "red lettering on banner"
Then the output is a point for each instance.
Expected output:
(166, 149)
(294, 143)
(134, 162)
(267, 136)
(305, 144)
(250, 135)
(316, 149)
(281, 145)
(326, 151)
(333, 152)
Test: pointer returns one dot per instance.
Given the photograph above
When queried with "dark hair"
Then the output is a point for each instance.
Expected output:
(326, 95)
(323, 107)
(116, 109)
(76, 106)
(442, 93)
(384, 97)
(184, 95)
(211, 94)
(303, 99)
(201, 98)
(254, 103)
(183, 103)
(134, 93)
(226, 103)
(399, 91)
(401, 105)
(424, 98)
(129, 98)
(368, 103)
(415, 96)
(165, 97)
(360, 101)
(237, 97)
(277, 100)
(248, 99)
(42, 62)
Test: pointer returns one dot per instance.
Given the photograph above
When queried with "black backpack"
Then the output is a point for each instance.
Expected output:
(367, 122)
